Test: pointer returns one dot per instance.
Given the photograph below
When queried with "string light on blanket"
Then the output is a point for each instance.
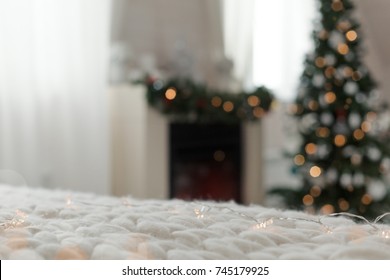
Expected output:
(202, 211)
(69, 202)
(266, 223)
(16, 221)
(385, 234)
(263, 224)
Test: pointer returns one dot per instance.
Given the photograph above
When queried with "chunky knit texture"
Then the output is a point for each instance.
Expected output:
(47, 224)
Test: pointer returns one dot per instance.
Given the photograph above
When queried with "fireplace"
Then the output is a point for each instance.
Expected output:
(205, 161)
(142, 153)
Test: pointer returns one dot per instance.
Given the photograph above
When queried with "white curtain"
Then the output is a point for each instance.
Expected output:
(267, 41)
(238, 26)
(53, 111)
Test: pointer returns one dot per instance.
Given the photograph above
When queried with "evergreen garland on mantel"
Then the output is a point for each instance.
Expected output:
(186, 101)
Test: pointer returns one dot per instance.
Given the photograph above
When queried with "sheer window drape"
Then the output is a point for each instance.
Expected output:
(237, 21)
(53, 112)
(267, 41)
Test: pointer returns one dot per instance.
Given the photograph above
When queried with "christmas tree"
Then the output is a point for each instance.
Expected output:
(343, 154)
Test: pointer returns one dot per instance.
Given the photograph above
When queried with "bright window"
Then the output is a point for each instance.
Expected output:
(267, 41)
(281, 38)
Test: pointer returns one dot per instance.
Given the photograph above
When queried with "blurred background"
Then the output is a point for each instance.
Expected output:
(72, 118)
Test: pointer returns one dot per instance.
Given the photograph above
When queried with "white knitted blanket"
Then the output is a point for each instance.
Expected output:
(44, 224)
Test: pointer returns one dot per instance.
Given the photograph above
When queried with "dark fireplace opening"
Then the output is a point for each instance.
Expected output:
(205, 161)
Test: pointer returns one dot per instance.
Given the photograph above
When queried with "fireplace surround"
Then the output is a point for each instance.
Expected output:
(141, 150)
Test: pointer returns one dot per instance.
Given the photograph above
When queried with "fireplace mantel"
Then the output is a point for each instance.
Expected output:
(139, 145)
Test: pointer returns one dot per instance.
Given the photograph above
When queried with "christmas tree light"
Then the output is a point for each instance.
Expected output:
(343, 152)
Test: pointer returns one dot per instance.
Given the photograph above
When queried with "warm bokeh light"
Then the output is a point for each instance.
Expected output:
(358, 134)
(330, 97)
(322, 132)
(310, 148)
(351, 35)
(347, 71)
(340, 140)
(343, 204)
(337, 6)
(228, 106)
(294, 109)
(299, 160)
(366, 126)
(170, 94)
(356, 76)
(313, 105)
(366, 199)
(343, 49)
(253, 101)
(327, 209)
(258, 112)
(329, 72)
(315, 191)
(308, 200)
(315, 171)
(320, 62)
(344, 25)
(216, 101)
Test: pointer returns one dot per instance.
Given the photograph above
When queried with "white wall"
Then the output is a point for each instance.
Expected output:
(139, 145)
(374, 18)
(157, 26)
